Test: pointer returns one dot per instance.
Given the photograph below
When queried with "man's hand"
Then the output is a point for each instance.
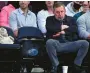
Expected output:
(64, 27)
(62, 32)
(59, 33)
(88, 37)
(16, 33)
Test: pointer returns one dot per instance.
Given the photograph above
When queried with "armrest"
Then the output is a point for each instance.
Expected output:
(9, 46)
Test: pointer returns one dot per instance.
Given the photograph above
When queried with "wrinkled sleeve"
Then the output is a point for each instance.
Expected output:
(82, 28)
(4, 18)
(13, 21)
(51, 27)
(41, 22)
(35, 21)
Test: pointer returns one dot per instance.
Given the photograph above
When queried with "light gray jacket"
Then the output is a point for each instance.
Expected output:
(83, 24)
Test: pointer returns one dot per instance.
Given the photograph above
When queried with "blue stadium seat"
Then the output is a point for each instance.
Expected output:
(9, 56)
(33, 43)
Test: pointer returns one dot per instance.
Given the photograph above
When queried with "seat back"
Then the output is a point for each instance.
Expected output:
(29, 32)
(10, 56)
(9, 52)
(31, 40)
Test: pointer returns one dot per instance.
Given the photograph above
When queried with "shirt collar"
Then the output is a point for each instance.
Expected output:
(29, 12)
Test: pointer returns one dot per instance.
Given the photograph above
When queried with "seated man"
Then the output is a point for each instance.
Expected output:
(83, 24)
(22, 17)
(60, 32)
(73, 7)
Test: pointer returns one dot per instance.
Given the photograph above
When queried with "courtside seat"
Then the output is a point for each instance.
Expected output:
(9, 56)
(31, 38)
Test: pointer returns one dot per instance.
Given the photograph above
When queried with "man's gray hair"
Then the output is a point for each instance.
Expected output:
(58, 4)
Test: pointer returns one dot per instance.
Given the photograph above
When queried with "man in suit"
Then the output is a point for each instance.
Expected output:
(61, 37)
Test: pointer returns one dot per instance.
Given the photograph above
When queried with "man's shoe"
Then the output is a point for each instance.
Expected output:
(23, 69)
(78, 69)
(56, 69)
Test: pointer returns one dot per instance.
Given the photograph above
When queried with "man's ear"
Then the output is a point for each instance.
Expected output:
(65, 10)
(28, 2)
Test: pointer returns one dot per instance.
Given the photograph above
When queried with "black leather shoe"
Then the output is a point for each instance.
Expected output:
(56, 69)
(78, 69)
(23, 69)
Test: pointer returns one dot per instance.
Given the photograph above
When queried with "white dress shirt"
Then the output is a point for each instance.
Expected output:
(41, 18)
(18, 19)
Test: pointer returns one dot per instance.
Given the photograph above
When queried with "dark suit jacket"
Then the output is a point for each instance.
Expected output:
(53, 26)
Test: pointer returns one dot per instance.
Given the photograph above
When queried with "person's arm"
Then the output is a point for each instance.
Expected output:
(82, 28)
(41, 21)
(35, 22)
(4, 18)
(88, 37)
(72, 27)
(58, 34)
(16, 33)
(13, 23)
(51, 26)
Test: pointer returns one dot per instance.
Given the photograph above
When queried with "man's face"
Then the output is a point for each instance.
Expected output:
(77, 4)
(85, 6)
(49, 3)
(24, 4)
(59, 12)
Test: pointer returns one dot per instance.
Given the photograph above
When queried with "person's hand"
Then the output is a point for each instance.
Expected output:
(88, 37)
(57, 34)
(64, 27)
(16, 33)
(62, 32)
